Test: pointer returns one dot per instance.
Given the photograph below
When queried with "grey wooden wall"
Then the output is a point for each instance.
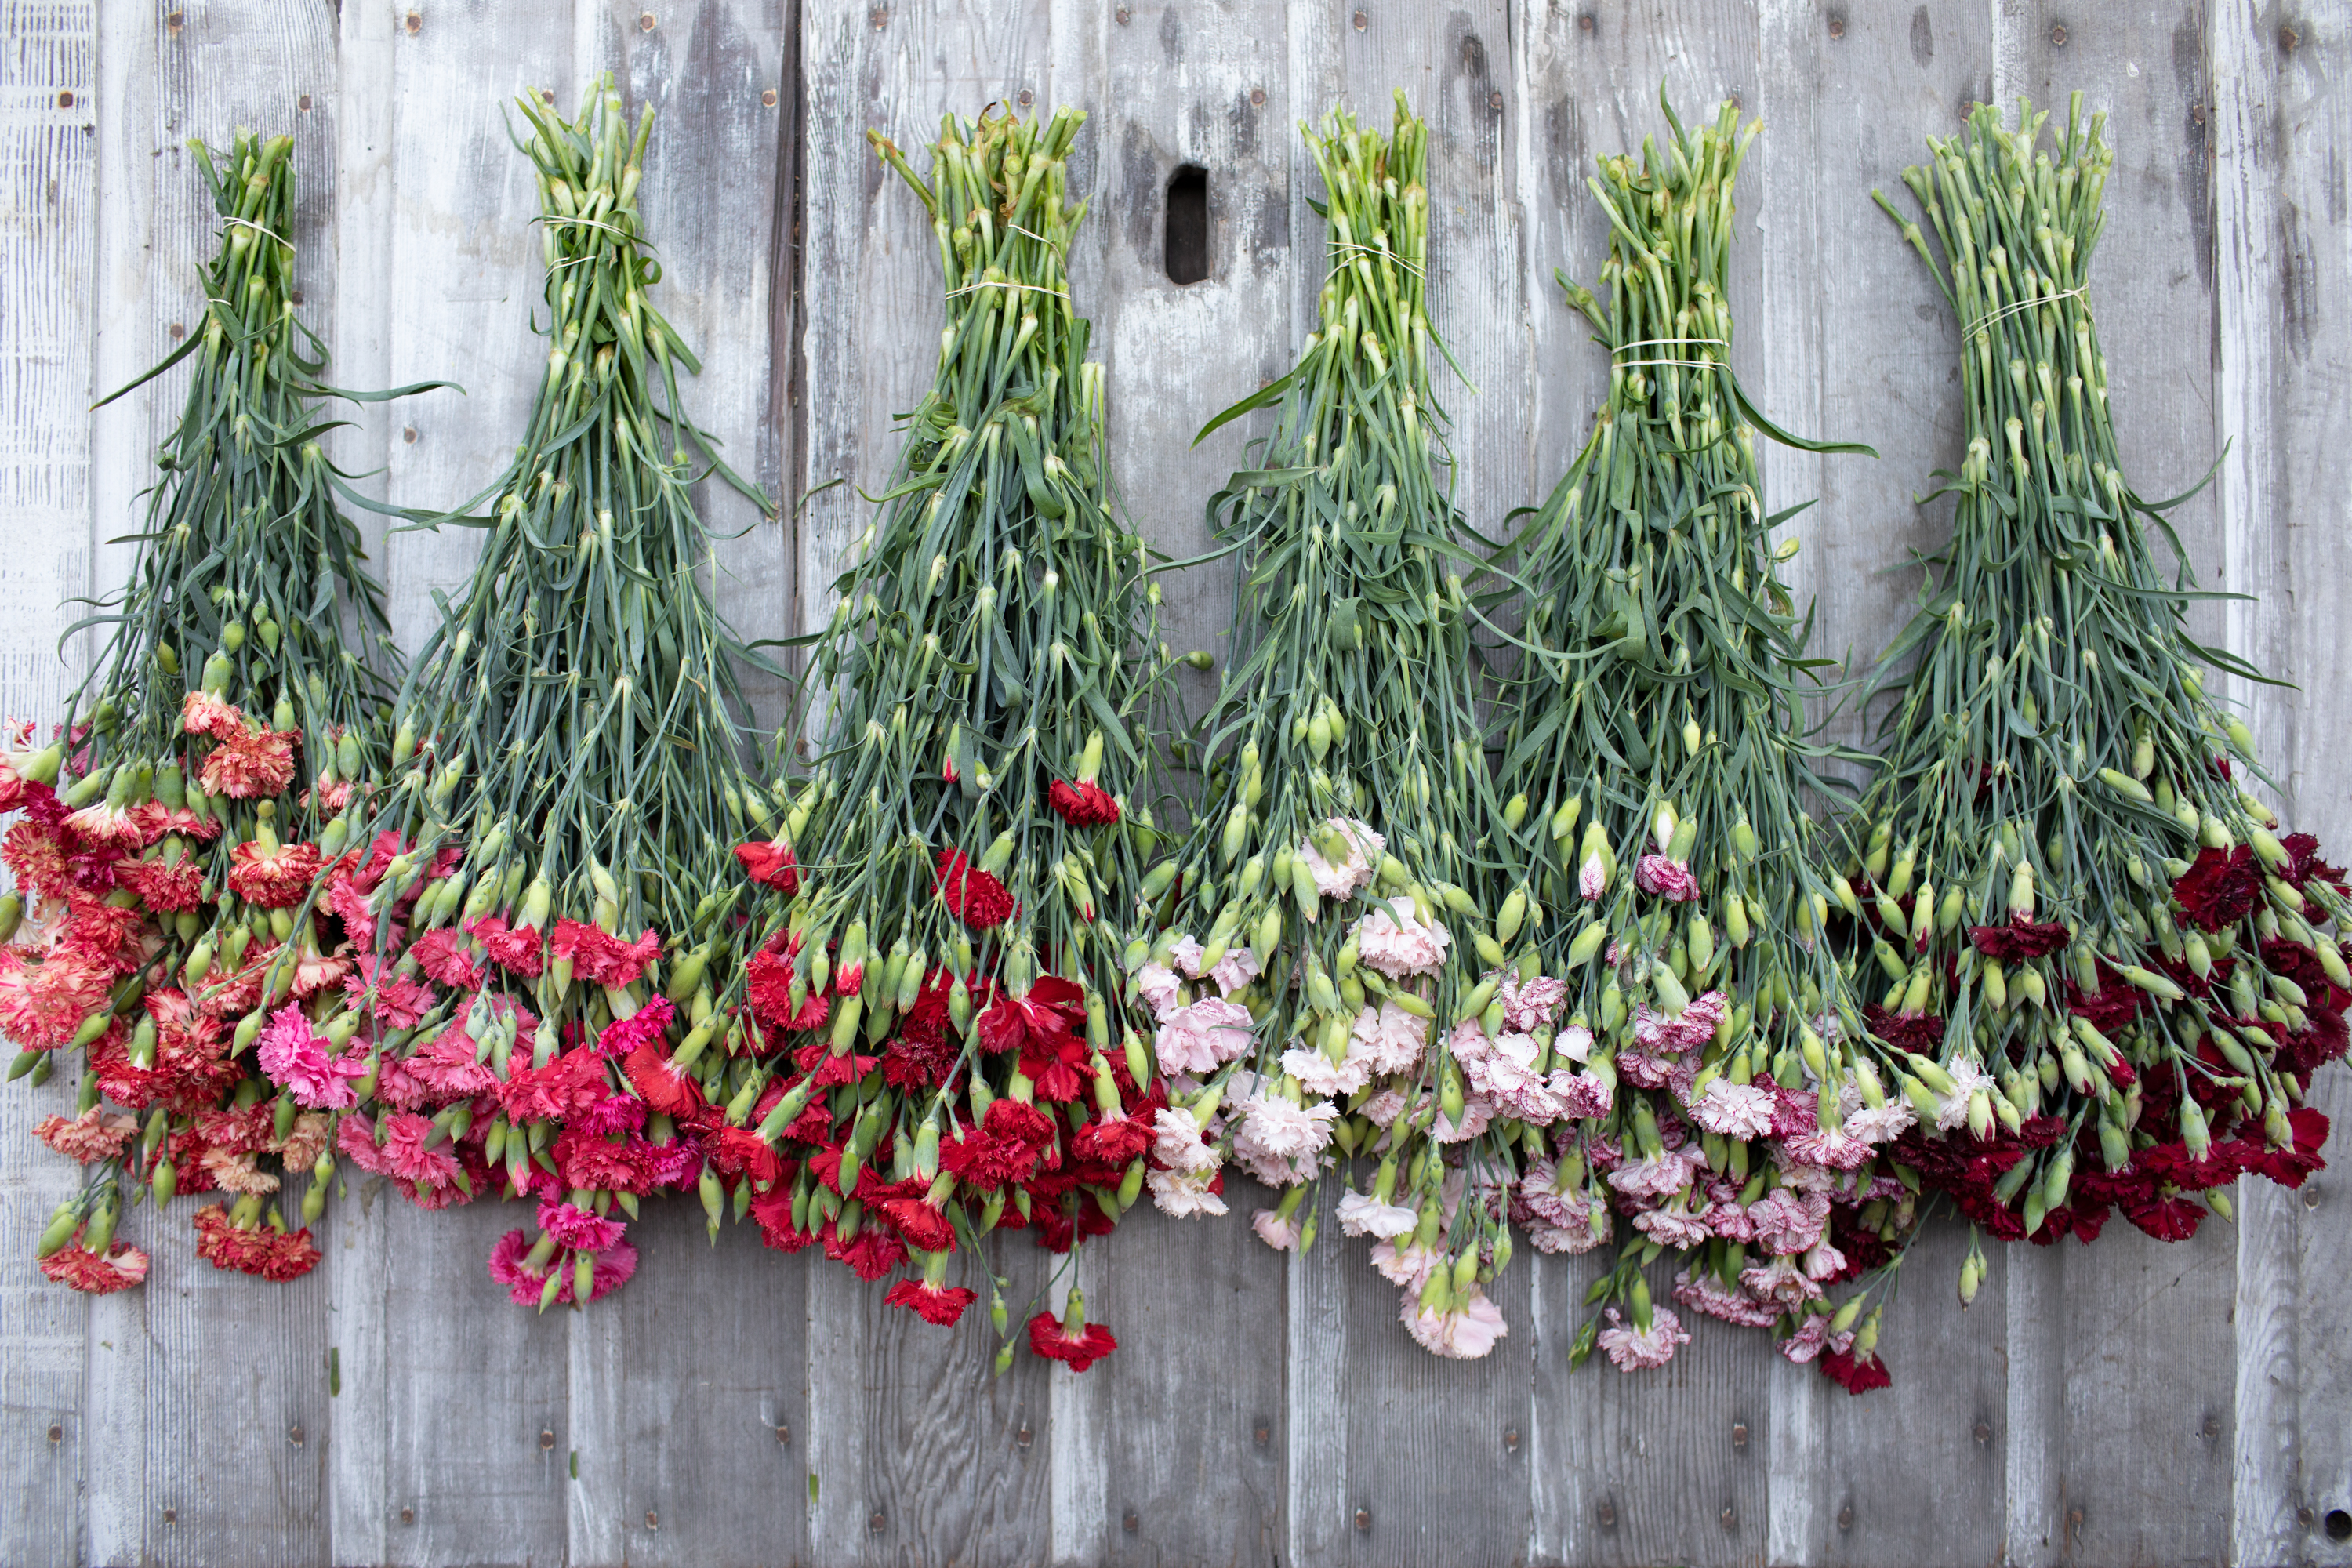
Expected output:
(2130, 1402)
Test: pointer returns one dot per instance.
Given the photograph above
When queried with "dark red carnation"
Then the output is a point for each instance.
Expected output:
(876, 1251)
(1920, 1032)
(940, 1304)
(2219, 887)
(2165, 1218)
(2304, 864)
(770, 866)
(1855, 1375)
(971, 895)
(1083, 804)
(2020, 939)
(1113, 1137)
(913, 1065)
(1048, 1338)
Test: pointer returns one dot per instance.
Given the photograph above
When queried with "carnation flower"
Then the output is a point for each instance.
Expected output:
(1083, 804)
(102, 828)
(1362, 1213)
(1530, 1004)
(164, 889)
(574, 1226)
(515, 949)
(1344, 880)
(1393, 939)
(251, 764)
(1854, 1374)
(1180, 1195)
(1694, 1025)
(1464, 1333)
(1235, 970)
(1592, 877)
(1203, 1037)
(2219, 888)
(1080, 1349)
(1276, 1230)
(204, 714)
(1318, 1074)
(1787, 1222)
(971, 895)
(771, 866)
(266, 1253)
(299, 1061)
(1698, 1290)
(1273, 1128)
(1667, 878)
(1407, 1263)
(2020, 939)
(601, 958)
(940, 1304)
(1633, 1348)
(1178, 1145)
(1388, 1040)
(79, 1268)
(1158, 987)
(447, 958)
(1673, 1227)
(272, 879)
(95, 1135)
(1740, 1111)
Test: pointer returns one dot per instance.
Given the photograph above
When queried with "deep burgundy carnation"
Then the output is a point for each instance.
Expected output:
(1920, 1032)
(1853, 1373)
(2219, 887)
(2304, 863)
(2020, 939)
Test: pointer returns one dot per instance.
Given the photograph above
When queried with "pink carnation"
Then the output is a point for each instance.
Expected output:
(1465, 1333)
(1668, 879)
(1630, 1348)
(294, 1059)
(1203, 1037)
(1393, 939)
(1741, 1110)
(574, 1226)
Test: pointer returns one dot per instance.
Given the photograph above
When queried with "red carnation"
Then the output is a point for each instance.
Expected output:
(514, 949)
(1855, 1375)
(926, 1228)
(971, 895)
(2020, 939)
(768, 979)
(660, 1082)
(79, 1268)
(164, 889)
(2304, 863)
(1048, 1338)
(1113, 1137)
(2167, 1219)
(770, 866)
(940, 1304)
(601, 958)
(2219, 887)
(876, 1251)
(272, 879)
(911, 1064)
(1086, 805)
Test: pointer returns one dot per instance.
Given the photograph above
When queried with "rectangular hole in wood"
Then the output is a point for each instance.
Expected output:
(1187, 225)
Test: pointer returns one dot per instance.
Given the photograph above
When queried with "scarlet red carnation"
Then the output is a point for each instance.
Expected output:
(971, 895)
(940, 1304)
(1048, 1338)
(1086, 805)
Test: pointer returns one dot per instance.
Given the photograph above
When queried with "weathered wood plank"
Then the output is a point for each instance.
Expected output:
(2279, 230)
(916, 1453)
(48, 186)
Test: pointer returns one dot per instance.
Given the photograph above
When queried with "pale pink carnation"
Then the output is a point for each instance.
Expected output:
(1630, 1348)
(1465, 1333)
(1344, 880)
(1789, 1221)
(1677, 1228)
(1813, 1337)
(1783, 1280)
(1657, 1175)
(1694, 1025)
(1362, 1213)
(1203, 1037)
(1592, 877)
(1385, 1108)
(1178, 1145)
(1698, 1290)
(1393, 939)
(1388, 1039)
(1405, 1261)
(1159, 987)
(1319, 1074)
(1182, 1195)
(1235, 970)
(1273, 1128)
(1185, 954)
(1739, 1111)
(1280, 1234)
(1883, 1123)
(1530, 1004)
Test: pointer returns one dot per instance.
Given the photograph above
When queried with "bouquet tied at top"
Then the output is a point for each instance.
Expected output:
(168, 839)
(966, 848)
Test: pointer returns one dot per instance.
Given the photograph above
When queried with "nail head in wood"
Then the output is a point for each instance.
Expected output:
(1026, 98)
(546, 1433)
(653, 1520)
(1730, 1516)
(2196, 113)
(1584, 22)
(1739, 1435)
(1363, 1518)
(303, 103)
(1122, 16)
(2311, 1197)
(1259, 1434)
(1494, 101)
(1131, 1522)
(1845, 1517)
(1983, 1431)
(172, 21)
(408, 1516)
(2289, 38)
(783, 1436)
(177, 332)
(879, 17)
(646, 22)
(408, 434)
(294, 1433)
(769, 98)
(1837, 24)
(171, 1516)
(1511, 1439)
(415, 24)
(2305, 1517)
(1606, 1514)
(65, 99)
(1362, 21)
(1258, 98)
(2058, 36)
(1025, 1437)
(877, 1522)
(56, 1432)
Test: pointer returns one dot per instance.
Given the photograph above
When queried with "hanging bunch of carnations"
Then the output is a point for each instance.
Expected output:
(1318, 980)
(158, 883)
(2118, 977)
(1660, 768)
(540, 903)
(967, 849)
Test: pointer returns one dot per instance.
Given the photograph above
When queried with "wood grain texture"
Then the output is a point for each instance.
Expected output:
(49, 195)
